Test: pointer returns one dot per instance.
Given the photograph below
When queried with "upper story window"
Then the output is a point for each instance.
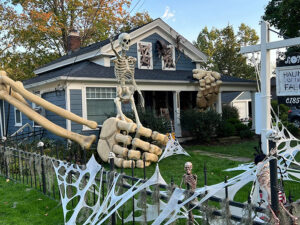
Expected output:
(144, 52)
(100, 103)
(168, 58)
(18, 117)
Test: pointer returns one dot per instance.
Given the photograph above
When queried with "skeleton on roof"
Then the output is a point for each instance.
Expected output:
(124, 71)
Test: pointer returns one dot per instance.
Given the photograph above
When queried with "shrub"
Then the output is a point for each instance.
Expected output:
(247, 133)
(226, 129)
(200, 124)
(229, 112)
(150, 120)
(239, 127)
(294, 130)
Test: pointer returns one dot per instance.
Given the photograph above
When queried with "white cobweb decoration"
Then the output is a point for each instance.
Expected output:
(173, 148)
(287, 147)
(100, 211)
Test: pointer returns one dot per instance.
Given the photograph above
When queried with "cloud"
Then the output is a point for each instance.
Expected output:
(168, 14)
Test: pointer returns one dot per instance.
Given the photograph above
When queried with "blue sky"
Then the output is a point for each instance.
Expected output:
(189, 17)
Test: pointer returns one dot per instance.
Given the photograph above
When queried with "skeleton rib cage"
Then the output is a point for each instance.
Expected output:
(124, 68)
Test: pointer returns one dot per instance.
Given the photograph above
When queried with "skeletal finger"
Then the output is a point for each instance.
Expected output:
(123, 138)
(134, 154)
(120, 150)
(140, 163)
(138, 143)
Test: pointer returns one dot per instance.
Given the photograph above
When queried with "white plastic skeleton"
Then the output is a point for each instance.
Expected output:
(124, 71)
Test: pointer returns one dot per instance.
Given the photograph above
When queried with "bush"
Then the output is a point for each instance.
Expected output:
(149, 119)
(200, 124)
(226, 129)
(247, 133)
(294, 130)
(239, 127)
(229, 112)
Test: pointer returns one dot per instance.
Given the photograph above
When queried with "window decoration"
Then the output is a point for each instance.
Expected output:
(144, 50)
(100, 103)
(18, 117)
(167, 55)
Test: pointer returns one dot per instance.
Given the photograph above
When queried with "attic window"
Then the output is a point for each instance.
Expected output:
(144, 52)
(168, 58)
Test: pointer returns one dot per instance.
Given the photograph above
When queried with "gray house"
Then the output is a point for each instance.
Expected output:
(83, 81)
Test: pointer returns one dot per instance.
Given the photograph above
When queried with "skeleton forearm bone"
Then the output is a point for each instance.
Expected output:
(84, 141)
(18, 87)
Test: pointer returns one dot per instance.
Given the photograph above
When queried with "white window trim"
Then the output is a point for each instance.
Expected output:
(17, 124)
(84, 105)
(163, 63)
(33, 105)
(139, 55)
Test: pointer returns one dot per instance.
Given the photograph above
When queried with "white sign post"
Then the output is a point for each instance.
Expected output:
(265, 111)
(265, 73)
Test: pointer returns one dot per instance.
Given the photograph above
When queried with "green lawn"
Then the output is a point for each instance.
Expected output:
(21, 205)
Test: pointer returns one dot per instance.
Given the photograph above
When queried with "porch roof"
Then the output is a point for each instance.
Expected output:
(87, 69)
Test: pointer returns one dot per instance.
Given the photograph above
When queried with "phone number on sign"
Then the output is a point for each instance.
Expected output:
(292, 100)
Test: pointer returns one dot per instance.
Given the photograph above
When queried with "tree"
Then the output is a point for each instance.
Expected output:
(285, 16)
(36, 31)
(222, 48)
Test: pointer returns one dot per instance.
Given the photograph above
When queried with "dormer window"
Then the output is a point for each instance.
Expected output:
(168, 58)
(144, 52)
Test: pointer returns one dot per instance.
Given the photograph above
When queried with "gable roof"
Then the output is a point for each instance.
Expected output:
(86, 70)
(228, 97)
(103, 47)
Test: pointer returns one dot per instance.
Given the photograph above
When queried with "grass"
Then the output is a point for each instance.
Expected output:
(30, 210)
(21, 205)
(244, 149)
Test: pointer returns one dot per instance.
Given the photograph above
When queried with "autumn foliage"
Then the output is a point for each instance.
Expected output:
(34, 32)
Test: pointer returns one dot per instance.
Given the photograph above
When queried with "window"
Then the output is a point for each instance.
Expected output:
(168, 58)
(18, 117)
(100, 103)
(144, 52)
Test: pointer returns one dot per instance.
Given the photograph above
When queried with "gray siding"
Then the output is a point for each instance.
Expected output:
(57, 98)
(76, 107)
(183, 61)
(11, 123)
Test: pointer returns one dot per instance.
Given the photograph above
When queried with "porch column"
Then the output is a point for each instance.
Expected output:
(219, 103)
(176, 109)
(253, 108)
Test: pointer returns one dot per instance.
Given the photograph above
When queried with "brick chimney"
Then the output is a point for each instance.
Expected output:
(73, 41)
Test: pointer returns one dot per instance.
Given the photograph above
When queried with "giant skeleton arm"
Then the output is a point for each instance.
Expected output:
(13, 92)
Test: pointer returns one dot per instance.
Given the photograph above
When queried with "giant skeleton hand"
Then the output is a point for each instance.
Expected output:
(209, 87)
(129, 152)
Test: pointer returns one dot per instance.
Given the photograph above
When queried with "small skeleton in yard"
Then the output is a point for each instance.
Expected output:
(190, 180)
(209, 87)
(263, 178)
(115, 131)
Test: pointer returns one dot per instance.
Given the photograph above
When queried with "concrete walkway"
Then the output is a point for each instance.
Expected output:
(223, 156)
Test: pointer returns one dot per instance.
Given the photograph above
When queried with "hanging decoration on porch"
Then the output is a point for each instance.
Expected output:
(15, 94)
(114, 137)
(209, 87)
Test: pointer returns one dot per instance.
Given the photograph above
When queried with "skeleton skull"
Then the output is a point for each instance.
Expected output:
(188, 166)
(124, 40)
(272, 135)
